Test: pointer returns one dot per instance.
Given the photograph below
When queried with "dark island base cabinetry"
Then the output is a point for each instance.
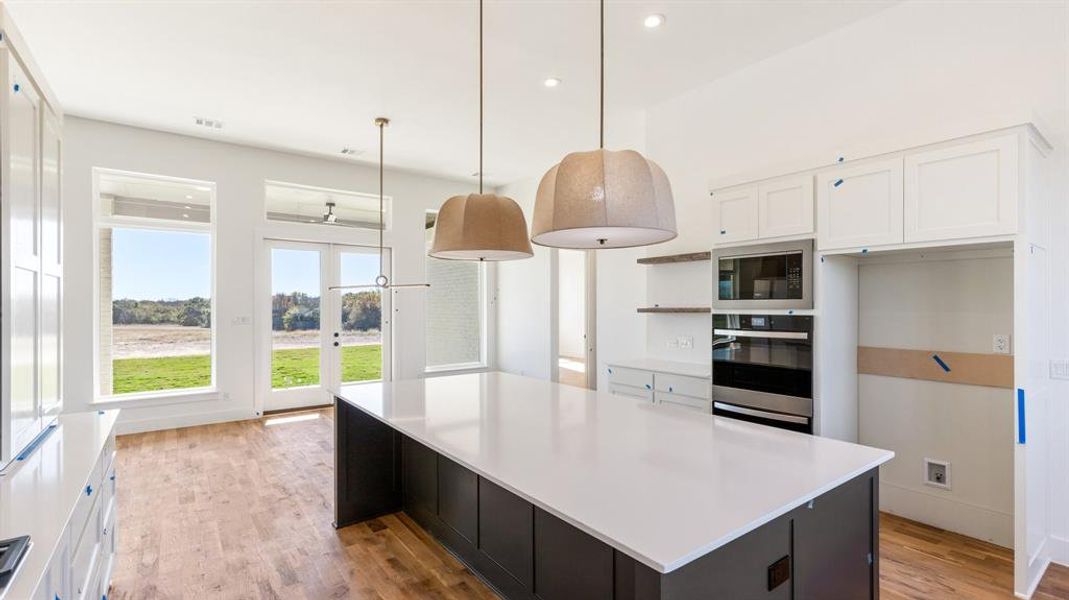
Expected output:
(823, 550)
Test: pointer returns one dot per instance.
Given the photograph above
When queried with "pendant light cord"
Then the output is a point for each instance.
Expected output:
(601, 89)
(382, 225)
(480, 96)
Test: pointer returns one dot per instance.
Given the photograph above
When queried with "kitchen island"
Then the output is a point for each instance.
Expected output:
(551, 491)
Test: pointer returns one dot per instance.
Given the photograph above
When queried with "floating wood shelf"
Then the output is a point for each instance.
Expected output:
(675, 258)
(675, 309)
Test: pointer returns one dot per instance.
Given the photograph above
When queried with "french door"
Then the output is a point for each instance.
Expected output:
(315, 339)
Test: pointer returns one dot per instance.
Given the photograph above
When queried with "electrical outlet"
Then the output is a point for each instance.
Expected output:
(686, 341)
(672, 343)
(1000, 343)
(1059, 369)
(937, 473)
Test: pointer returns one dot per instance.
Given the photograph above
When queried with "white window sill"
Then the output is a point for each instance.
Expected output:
(455, 369)
(137, 400)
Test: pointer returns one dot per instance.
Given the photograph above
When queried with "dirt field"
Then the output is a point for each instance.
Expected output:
(147, 341)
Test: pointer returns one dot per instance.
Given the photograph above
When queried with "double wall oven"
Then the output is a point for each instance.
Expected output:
(763, 363)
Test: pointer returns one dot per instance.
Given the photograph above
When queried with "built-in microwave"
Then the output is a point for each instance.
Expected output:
(766, 276)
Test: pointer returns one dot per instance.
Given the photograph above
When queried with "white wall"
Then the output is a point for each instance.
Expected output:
(955, 306)
(571, 294)
(917, 72)
(239, 173)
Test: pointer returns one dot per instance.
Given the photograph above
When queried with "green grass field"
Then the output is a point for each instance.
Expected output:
(289, 368)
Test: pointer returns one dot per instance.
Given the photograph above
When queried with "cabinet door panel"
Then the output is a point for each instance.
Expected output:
(458, 498)
(420, 480)
(968, 190)
(832, 542)
(735, 215)
(51, 234)
(785, 207)
(25, 421)
(506, 530)
(568, 562)
(50, 346)
(23, 127)
(860, 205)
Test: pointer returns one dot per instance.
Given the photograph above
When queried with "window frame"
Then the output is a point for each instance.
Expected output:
(487, 320)
(101, 222)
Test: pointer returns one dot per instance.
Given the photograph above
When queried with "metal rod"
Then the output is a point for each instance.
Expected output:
(382, 126)
(480, 96)
(601, 88)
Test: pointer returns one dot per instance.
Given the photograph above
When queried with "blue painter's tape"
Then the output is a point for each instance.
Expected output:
(841, 159)
(864, 250)
(838, 182)
(821, 259)
(723, 231)
(940, 362)
(1020, 416)
(37, 441)
(790, 312)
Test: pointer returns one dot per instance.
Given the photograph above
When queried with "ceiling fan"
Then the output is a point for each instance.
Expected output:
(329, 216)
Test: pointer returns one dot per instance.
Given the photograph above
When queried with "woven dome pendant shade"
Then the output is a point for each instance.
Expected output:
(481, 226)
(603, 199)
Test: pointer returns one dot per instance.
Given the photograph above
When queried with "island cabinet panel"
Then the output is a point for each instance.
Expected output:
(367, 462)
(420, 476)
(506, 531)
(835, 543)
(458, 498)
(568, 562)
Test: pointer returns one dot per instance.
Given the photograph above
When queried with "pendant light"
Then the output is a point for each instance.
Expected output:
(481, 226)
(603, 198)
(382, 281)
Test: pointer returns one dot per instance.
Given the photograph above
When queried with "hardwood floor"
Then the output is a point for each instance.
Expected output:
(243, 510)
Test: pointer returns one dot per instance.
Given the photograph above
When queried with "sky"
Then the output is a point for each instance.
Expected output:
(163, 265)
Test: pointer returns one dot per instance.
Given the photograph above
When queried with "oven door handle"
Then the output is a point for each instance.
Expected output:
(753, 412)
(777, 335)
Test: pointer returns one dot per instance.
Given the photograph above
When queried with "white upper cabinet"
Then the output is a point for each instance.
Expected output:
(860, 205)
(735, 214)
(962, 191)
(785, 206)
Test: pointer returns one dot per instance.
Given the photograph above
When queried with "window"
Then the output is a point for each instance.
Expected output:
(294, 203)
(456, 311)
(155, 283)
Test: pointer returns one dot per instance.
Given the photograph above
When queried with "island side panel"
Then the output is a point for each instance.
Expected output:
(367, 466)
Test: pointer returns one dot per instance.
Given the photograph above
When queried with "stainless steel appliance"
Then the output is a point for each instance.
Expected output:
(763, 369)
(766, 276)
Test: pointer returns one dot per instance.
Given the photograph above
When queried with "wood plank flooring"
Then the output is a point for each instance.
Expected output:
(243, 510)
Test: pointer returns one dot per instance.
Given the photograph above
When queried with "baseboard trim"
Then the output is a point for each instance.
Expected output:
(1059, 549)
(179, 421)
(967, 519)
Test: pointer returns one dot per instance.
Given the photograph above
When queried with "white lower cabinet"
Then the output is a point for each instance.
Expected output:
(661, 387)
(81, 566)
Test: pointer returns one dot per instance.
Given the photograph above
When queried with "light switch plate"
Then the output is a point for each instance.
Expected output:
(1059, 369)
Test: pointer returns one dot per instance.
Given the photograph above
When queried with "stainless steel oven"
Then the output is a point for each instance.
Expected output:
(763, 369)
(766, 276)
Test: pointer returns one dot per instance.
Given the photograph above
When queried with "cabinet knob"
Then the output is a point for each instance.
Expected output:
(669, 388)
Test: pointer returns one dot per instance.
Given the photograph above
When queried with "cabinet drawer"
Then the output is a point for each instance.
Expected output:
(685, 401)
(107, 489)
(109, 452)
(86, 554)
(696, 387)
(632, 377)
(631, 392)
(79, 522)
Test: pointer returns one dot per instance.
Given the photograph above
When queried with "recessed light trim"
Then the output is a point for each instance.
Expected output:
(551, 82)
(653, 21)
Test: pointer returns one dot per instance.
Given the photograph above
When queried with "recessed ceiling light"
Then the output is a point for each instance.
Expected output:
(185, 215)
(653, 21)
(551, 82)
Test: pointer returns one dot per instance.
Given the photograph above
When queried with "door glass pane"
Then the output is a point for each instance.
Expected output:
(360, 334)
(295, 339)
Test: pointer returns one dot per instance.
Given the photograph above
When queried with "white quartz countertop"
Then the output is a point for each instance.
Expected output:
(667, 366)
(665, 485)
(37, 496)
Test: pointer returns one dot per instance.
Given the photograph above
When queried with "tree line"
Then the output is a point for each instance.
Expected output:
(361, 311)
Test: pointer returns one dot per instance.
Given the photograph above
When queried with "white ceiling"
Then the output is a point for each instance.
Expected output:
(311, 76)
